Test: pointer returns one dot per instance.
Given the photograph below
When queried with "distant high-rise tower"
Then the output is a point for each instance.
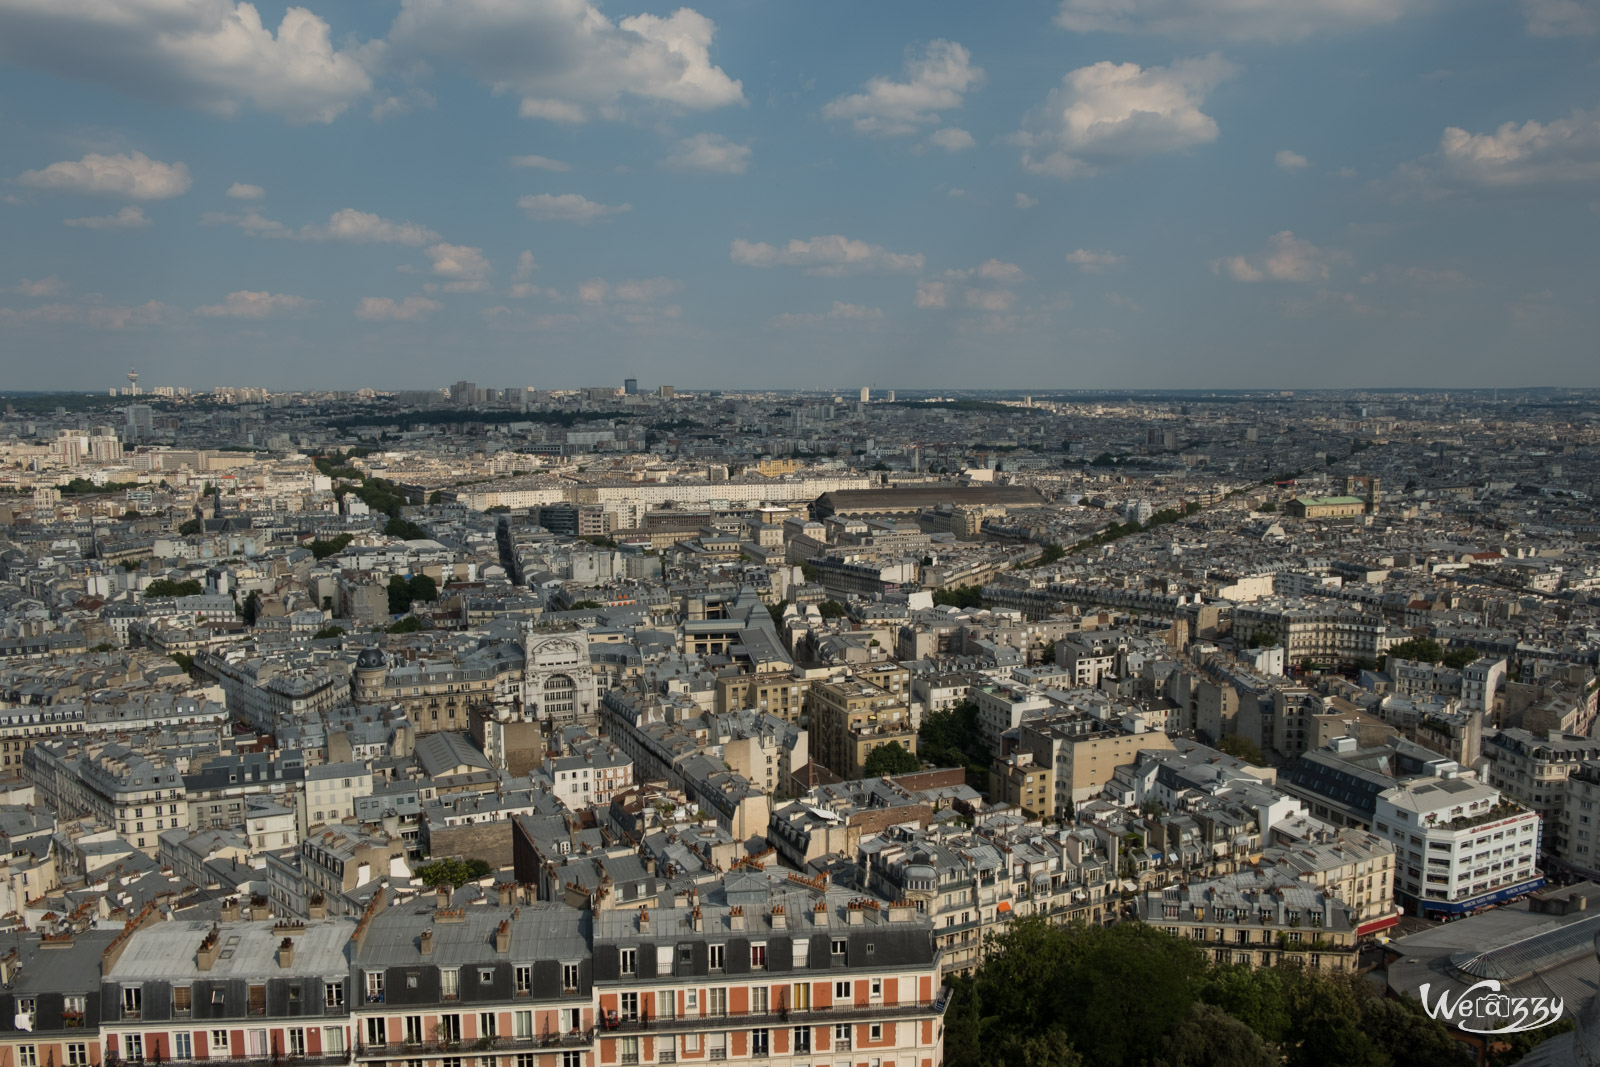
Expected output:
(630, 386)
(866, 393)
(133, 382)
(891, 396)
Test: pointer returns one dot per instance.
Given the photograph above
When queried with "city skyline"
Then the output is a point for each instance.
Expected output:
(1072, 195)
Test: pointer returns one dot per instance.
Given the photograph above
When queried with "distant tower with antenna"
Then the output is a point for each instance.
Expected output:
(133, 382)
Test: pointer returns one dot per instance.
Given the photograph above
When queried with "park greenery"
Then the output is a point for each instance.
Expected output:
(328, 631)
(332, 546)
(408, 625)
(1131, 994)
(831, 609)
(1427, 650)
(453, 872)
(168, 587)
(405, 530)
(949, 738)
(403, 592)
(965, 597)
(890, 759)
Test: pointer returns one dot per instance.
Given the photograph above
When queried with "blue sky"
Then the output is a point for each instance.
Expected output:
(1079, 194)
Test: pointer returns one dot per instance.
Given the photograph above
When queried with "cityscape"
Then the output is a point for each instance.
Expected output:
(1078, 522)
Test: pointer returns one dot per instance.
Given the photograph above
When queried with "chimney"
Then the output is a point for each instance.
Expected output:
(444, 897)
(505, 891)
(317, 907)
(425, 942)
(696, 920)
(502, 937)
(644, 920)
(780, 918)
(230, 910)
(736, 918)
(210, 947)
(286, 952)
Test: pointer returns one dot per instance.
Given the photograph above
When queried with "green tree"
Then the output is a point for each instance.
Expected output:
(408, 625)
(965, 597)
(252, 608)
(327, 632)
(423, 588)
(1458, 658)
(831, 609)
(330, 547)
(586, 605)
(168, 587)
(1241, 747)
(405, 531)
(1424, 649)
(189, 527)
(399, 595)
(888, 760)
(453, 872)
(809, 571)
(184, 660)
(1210, 1037)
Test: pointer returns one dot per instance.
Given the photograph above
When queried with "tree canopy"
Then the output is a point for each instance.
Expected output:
(453, 872)
(168, 587)
(888, 760)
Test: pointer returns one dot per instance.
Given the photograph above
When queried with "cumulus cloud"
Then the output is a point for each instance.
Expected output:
(937, 77)
(43, 287)
(932, 294)
(989, 299)
(346, 224)
(951, 139)
(840, 312)
(211, 55)
(568, 207)
(526, 265)
(567, 60)
(131, 217)
(709, 153)
(540, 163)
(1290, 160)
(134, 176)
(466, 269)
(1095, 261)
(241, 191)
(1110, 113)
(387, 309)
(1237, 20)
(940, 292)
(412, 99)
(598, 291)
(829, 256)
(1025, 202)
(252, 304)
(1563, 152)
(1287, 259)
(93, 312)
(1562, 18)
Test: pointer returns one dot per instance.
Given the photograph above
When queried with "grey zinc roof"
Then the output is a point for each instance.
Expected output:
(167, 950)
(542, 930)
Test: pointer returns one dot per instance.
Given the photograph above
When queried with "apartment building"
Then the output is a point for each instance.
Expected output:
(1578, 829)
(1083, 752)
(1258, 919)
(850, 717)
(1459, 845)
(1350, 865)
(50, 1008)
(137, 795)
(1533, 768)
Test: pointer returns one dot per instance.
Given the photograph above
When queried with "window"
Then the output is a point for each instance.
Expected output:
(524, 979)
(294, 994)
(77, 1054)
(628, 1049)
(183, 1045)
(219, 996)
(802, 1039)
(522, 1024)
(802, 996)
(297, 1041)
(450, 1028)
(485, 975)
(332, 1040)
(691, 1002)
(877, 989)
(628, 1004)
(758, 956)
(488, 1024)
(841, 991)
(449, 983)
(719, 956)
(569, 977)
(802, 949)
(74, 1002)
(716, 1002)
(132, 1001)
(572, 1019)
(572, 1059)
(413, 1029)
(841, 1037)
(716, 1046)
(136, 1047)
(375, 1034)
(666, 1004)
(630, 961)
(333, 994)
(839, 946)
(27, 1056)
(760, 1043)
(413, 979)
(258, 1000)
(219, 1046)
(663, 960)
(375, 987)
(180, 1000)
(876, 1033)
(760, 1000)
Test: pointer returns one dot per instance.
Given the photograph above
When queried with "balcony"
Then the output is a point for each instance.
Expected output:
(780, 1017)
(405, 1050)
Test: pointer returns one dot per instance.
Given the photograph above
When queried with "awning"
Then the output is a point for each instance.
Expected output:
(1376, 925)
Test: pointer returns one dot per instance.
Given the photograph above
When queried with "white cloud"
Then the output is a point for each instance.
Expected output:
(1025, 202)
(936, 79)
(989, 299)
(212, 55)
(643, 291)
(568, 207)
(43, 287)
(932, 294)
(1290, 160)
(1110, 113)
(841, 312)
(565, 58)
(249, 304)
(131, 217)
(540, 163)
(1287, 259)
(935, 293)
(1530, 155)
(386, 309)
(241, 191)
(465, 268)
(92, 312)
(346, 224)
(134, 176)
(1237, 20)
(1562, 18)
(526, 265)
(997, 271)
(830, 256)
(412, 99)
(951, 139)
(252, 223)
(1095, 261)
(709, 153)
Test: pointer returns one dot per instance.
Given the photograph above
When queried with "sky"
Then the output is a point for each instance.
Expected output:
(1077, 194)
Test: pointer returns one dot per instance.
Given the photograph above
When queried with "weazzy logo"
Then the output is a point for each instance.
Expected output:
(1482, 1005)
